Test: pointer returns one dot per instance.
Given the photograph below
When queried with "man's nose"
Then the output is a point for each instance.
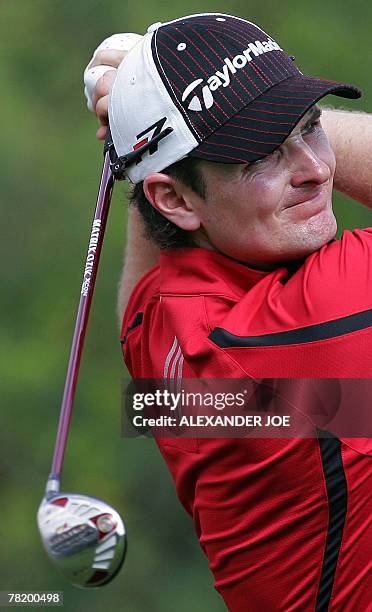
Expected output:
(307, 166)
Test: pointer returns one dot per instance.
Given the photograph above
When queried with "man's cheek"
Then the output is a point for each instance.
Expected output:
(265, 194)
(331, 160)
(327, 154)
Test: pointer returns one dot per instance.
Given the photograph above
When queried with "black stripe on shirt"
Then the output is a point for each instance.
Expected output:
(312, 333)
(330, 449)
(137, 321)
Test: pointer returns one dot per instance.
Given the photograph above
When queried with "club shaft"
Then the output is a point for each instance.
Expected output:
(86, 294)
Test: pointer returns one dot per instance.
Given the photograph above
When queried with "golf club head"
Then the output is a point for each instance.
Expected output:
(83, 536)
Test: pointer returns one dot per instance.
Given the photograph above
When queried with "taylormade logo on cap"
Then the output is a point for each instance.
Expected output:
(223, 77)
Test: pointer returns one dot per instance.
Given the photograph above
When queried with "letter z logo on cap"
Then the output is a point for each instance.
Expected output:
(155, 128)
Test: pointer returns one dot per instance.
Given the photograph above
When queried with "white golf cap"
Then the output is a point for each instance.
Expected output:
(211, 86)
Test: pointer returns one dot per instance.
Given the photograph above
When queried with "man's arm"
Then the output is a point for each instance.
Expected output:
(140, 255)
(350, 134)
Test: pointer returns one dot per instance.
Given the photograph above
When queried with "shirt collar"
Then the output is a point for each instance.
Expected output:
(195, 271)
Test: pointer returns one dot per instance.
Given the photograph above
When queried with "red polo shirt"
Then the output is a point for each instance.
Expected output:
(285, 523)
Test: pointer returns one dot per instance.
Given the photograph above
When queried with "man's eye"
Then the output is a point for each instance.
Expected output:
(251, 166)
(259, 162)
(311, 126)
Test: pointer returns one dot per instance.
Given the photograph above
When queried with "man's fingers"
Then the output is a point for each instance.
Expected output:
(102, 114)
(91, 77)
(102, 110)
(103, 87)
(108, 55)
(101, 132)
(112, 57)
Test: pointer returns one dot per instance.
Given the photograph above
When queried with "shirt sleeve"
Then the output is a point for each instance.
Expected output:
(336, 281)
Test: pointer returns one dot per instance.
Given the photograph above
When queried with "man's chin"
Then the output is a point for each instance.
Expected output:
(314, 239)
(318, 242)
(322, 228)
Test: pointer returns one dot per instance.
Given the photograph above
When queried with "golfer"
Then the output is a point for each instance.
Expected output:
(233, 166)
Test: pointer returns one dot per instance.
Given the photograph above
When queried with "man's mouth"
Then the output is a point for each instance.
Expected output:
(312, 196)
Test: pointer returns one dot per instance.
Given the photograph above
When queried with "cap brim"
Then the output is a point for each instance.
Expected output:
(262, 126)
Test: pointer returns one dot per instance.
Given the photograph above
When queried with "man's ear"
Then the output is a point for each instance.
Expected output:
(172, 199)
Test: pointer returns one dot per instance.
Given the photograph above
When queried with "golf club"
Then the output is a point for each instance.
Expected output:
(82, 535)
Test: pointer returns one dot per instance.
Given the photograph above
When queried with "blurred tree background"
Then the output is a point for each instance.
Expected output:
(50, 165)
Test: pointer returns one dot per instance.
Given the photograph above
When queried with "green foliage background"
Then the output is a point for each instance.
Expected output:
(50, 165)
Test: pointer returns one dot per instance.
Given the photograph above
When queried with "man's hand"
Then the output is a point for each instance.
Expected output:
(100, 74)
(101, 91)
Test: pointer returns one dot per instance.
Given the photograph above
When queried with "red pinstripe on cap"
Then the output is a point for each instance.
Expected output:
(244, 94)
(210, 86)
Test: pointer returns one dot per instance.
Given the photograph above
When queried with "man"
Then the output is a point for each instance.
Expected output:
(233, 175)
